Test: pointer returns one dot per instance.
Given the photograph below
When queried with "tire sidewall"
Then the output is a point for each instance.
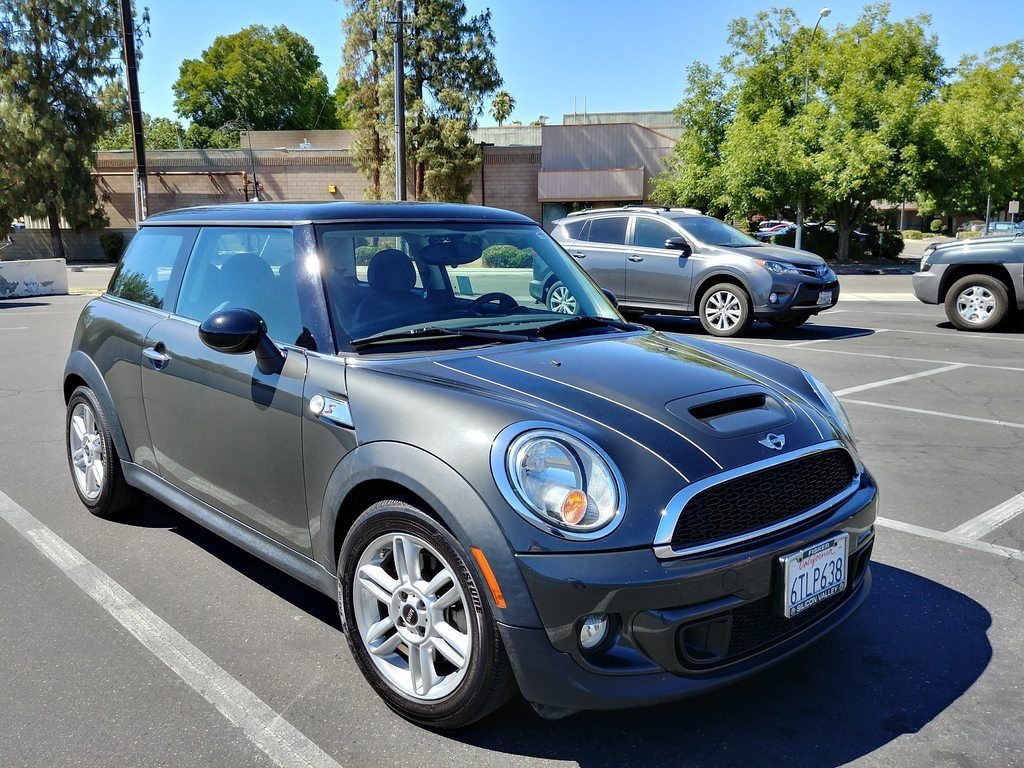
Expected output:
(745, 320)
(101, 505)
(463, 705)
(998, 290)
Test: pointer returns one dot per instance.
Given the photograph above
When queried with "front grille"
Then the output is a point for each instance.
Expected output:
(763, 498)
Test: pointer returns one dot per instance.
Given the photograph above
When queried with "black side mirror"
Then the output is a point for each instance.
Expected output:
(679, 244)
(238, 332)
(610, 296)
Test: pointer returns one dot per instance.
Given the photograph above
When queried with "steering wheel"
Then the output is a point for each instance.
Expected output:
(505, 302)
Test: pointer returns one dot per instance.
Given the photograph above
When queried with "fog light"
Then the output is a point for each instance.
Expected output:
(773, 298)
(593, 631)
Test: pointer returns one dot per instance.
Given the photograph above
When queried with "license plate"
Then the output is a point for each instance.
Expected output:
(813, 574)
(825, 297)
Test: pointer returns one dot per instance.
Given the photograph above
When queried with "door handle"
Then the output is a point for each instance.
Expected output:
(157, 356)
(634, 257)
(578, 254)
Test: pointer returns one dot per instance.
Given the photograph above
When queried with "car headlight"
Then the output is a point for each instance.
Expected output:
(778, 267)
(562, 480)
(832, 404)
(925, 266)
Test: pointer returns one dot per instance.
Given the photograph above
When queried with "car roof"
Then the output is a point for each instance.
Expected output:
(644, 210)
(289, 214)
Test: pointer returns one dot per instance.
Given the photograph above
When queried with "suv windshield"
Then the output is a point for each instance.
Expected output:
(443, 284)
(709, 231)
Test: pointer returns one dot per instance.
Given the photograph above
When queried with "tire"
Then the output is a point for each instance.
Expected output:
(788, 323)
(725, 310)
(403, 628)
(560, 299)
(977, 303)
(92, 458)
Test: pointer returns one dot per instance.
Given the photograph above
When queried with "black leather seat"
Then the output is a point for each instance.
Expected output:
(391, 302)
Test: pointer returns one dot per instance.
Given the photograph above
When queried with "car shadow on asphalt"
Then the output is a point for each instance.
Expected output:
(15, 304)
(812, 331)
(912, 650)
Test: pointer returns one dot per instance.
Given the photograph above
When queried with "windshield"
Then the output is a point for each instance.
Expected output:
(709, 231)
(434, 283)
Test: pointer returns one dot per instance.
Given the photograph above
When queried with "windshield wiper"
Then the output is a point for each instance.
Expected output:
(582, 322)
(434, 331)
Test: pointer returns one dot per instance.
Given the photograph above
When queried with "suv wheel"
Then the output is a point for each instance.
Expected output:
(421, 631)
(725, 310)
(977, 303)
(561, 300)
(95, 467)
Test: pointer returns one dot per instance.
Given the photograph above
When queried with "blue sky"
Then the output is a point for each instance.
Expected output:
(618, 54)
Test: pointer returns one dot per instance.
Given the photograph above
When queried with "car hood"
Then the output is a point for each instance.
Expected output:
(781, 253)
(652, 400)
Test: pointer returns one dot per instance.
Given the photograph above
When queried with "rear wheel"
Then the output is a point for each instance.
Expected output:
(421, 631)
(561, 300)
(977, 303)
(725, 310)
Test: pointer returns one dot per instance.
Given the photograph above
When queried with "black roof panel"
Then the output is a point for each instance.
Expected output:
(322, 212)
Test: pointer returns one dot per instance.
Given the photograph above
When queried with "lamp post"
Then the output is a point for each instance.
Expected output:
(824, 12)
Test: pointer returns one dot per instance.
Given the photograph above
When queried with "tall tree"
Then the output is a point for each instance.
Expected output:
(55, 57)
(830, 119)
(343, 91)
(450, 70)
(502, 106)
(269, 79)
(164, 133)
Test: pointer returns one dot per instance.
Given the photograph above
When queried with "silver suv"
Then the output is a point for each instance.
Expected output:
(673, 260)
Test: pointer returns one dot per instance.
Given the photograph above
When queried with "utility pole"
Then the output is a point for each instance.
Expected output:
(400, 166)
(800, 203)
(131, 70)
(988, 211)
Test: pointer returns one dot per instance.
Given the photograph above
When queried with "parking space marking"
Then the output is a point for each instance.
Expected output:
(265, 727)
(926, 412)
(987, 522)
(15, 328)
(898, 379)
(950, 538)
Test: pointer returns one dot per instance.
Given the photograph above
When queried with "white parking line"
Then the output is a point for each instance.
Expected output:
(897, 379)
(950, 538)
(987, 522)
(270, 732)
(15, 328)
(863, 297)
(925, 412)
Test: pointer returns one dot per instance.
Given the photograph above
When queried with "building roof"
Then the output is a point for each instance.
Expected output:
(265, 214)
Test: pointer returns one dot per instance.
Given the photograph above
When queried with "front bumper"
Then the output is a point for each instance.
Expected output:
(926, 285)
(684, 626)
(795, 296)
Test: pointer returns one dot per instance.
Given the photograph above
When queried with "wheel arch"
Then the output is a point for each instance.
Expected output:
(958, 271)
(714, 279)
(79, 371)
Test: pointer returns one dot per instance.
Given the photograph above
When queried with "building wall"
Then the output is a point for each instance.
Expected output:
(510, 180)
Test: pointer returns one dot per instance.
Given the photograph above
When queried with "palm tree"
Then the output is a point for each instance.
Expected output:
(502, 106)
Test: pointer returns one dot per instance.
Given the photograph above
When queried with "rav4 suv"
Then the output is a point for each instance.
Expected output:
(500, 497)
(670, 260)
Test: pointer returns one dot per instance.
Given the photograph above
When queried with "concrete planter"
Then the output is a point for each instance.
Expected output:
(39, 277)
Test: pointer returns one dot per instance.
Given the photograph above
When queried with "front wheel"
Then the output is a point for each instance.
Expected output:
(977, 303)
(419, 627)
(561, 300)
(725, 310)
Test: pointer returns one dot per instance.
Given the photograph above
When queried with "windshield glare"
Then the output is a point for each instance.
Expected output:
(387, 279)
(705, 229)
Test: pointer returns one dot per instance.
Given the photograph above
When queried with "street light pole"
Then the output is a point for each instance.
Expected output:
(131, 71)
(800, 203)
(400, 193)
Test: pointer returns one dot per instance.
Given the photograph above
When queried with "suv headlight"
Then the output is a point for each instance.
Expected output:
(832, 405)
(925, 266)
(563, 481)
(778, 267)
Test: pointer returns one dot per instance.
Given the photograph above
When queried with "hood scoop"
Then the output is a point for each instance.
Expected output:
(733, 412)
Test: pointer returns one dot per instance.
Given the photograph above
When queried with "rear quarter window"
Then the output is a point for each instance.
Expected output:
(610, 230)
(145, 272)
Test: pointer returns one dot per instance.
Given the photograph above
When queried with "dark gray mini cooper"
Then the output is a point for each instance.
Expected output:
(502, 497)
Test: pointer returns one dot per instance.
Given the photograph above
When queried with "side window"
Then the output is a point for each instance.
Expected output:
(651, 233)
(244, 268)
(609, 230)
(144, 273)
(574, 229)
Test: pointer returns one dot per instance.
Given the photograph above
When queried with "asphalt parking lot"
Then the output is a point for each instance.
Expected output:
(149, 641)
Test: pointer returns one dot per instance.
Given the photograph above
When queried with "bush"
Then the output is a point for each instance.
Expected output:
(914, 234)
(967, 235)
(825, 243)
(365, 252)
(936, 225)
(112, 244)
(507, 256)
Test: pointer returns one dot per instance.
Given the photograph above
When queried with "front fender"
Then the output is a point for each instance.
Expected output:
(454, 501)
(81, 365)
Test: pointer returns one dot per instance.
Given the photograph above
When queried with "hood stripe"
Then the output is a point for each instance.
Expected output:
(657, 455)
(609, 400)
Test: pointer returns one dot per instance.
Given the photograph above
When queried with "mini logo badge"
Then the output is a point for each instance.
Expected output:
(773, 441)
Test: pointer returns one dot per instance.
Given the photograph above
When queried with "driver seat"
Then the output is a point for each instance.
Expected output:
(390, 302)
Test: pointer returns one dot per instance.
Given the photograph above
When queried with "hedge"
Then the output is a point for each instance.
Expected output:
(936, 225)
(914, 234)
(507, 256)
(825, 243)
(112, 244)
(967, 235)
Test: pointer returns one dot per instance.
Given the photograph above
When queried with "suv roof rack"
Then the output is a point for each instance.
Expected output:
(636, 207)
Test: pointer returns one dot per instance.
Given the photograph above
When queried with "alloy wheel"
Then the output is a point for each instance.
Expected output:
(723, 310)
(561, 300)
(975, 304)
(411, 615)
(88, 457)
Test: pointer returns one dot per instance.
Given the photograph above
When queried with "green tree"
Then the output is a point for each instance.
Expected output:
(55, 57)
(502, 106)
(751, 136)
(343, 92)
(269, 78)
(975, 130)
(450, 70)
(164, 133)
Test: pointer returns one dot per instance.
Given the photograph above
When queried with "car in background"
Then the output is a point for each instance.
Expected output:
(661, 260)
(980, 281)
(765, 234)
(1002, 227)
